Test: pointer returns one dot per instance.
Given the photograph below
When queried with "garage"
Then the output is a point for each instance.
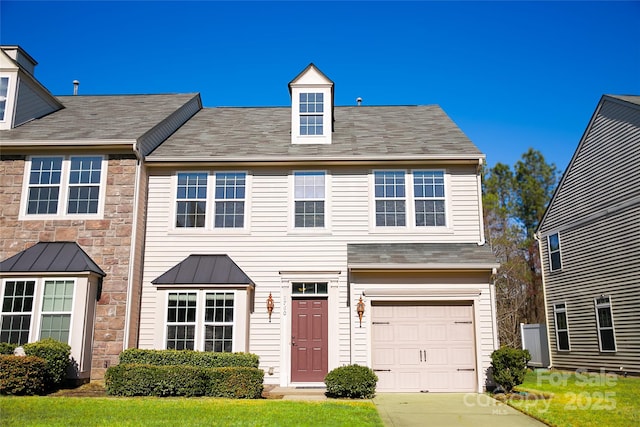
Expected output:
(423, 346)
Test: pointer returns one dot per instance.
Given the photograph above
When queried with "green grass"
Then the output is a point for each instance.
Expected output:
(585, 400)
(144, 411)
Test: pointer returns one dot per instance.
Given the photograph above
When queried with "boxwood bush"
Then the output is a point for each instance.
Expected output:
(128, 379)
(56, 354)
(188, 357)
(353, 381)
(22, 375)
(509, 366)
(6, 348)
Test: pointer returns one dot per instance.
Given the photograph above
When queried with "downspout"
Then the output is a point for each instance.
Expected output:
(494, 320)
(480, 213)
(536, 236)
(132, 253)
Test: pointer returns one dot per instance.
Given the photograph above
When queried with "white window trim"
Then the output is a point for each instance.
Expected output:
(210, 205)
(64, 190)
(8, 105)
(36, 308)
(613, 326)
(410, 207)
(555, 320)
(296, 137)
(292, 205)
(559, 251)
(200, 314)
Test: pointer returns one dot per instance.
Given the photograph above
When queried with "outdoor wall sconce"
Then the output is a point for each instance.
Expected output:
(270, 305)
(360, 310)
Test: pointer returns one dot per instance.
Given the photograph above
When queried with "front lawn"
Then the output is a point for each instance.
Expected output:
(148, 411)
(581, 399)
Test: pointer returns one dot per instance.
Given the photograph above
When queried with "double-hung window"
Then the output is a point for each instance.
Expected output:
(20, 311)
(390, 198)
(428, 193)
(200, 320)
(70, 186)
(191, 200)
(555, 261)
(309, 203)
(604, 318)
(562, 327)
(311, 113)
(4, 90)
(230, 194)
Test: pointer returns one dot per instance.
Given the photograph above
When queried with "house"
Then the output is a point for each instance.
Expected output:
(589, 241)
(313, 235)
(72, 210)
(317, 236)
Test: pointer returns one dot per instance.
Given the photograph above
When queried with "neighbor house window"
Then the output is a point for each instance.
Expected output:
(19, 310)
(555, 261)
(230, 194)
(311, 113)
(309, 199)
(604, 317)
(65, 185)
(57, 304)
(562, 328)
(191, 200)
(4, 90)
(200, 320)
(390, 198)
(17, 307)
(428, 193)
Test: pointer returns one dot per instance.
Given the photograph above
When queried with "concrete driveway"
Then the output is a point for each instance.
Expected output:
(448, 409)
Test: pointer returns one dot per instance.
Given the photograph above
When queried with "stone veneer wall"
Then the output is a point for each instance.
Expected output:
(107, 241)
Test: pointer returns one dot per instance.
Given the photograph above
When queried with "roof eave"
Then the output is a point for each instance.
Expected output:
(424, 266)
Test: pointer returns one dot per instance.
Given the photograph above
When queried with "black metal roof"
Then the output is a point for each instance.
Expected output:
(51, 257)
(204, 270)
(460, 255)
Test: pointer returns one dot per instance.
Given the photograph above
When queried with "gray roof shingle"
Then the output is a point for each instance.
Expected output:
(204, 270)
(466, 255)
(264, 133)
(51, 257)
(99, 117)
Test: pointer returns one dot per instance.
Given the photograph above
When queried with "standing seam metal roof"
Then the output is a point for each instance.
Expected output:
(204, 269)
(51, 257)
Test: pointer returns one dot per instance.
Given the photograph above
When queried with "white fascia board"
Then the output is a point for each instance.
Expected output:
(426, 266)
(53, 143)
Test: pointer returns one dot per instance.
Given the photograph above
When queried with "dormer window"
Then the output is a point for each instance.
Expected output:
(311, 107)
(311, 110)
(4, 90)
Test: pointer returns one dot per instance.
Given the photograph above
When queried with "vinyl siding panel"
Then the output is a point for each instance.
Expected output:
(30, 105)
(270, 248)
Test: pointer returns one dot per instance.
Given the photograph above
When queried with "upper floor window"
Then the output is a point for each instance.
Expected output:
(309, 199)
(230, 194)
(311, 113)
(390, 198)
(562, 327)
(65, 185)
(428, 192)
(604, 317)
(191, 200)
(4, 90)
(555, 261)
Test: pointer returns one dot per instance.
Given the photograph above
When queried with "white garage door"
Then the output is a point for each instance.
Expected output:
(423, 347)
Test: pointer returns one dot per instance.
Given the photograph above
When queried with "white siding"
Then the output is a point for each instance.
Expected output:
(270, 246)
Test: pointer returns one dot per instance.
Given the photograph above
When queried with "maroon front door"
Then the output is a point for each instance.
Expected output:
(309, 340)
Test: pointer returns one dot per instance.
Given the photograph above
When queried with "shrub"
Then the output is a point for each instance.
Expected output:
(22, 375)
(353, 381)
(6, 348)
(183, 380)
(56, 354)
(509, 366)
(204, 359)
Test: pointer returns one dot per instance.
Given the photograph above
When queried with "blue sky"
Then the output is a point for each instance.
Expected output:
(512, 75)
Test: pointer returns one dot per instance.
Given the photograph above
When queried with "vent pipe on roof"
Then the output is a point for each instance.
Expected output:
(359, 101)
(76, 83)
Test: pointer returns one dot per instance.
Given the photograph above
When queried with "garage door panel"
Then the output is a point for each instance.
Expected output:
(424, 347)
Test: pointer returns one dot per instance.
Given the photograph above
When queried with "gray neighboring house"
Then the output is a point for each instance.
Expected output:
(589, 243)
